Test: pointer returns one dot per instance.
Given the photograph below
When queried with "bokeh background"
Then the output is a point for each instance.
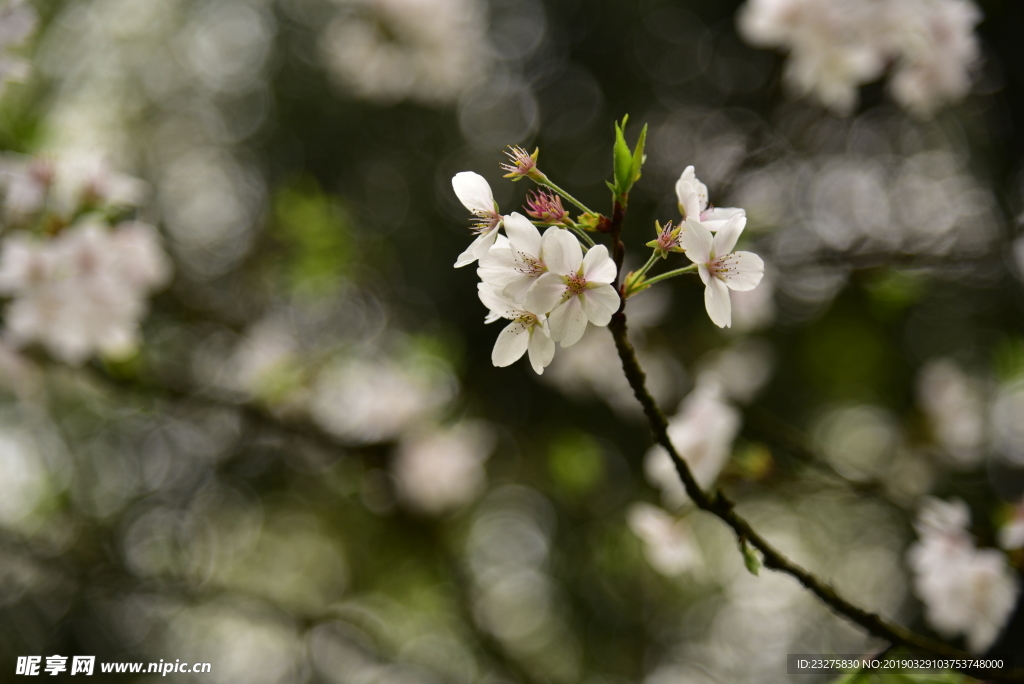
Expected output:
(307, 469)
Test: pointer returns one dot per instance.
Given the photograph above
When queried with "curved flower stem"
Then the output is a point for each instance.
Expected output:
(650, 262)
(548, 184)
(692, 268)
(724, 509)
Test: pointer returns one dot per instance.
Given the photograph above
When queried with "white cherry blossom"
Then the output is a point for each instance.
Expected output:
(720, 268)
(82, 291)
(26, 182)
(513, 269)
(835, 46)
(474, 192)
(528, 331)
(574, 290)
(964, 590)
(692, 196)
(938, 50)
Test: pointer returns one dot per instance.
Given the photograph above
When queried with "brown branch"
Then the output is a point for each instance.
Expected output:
(718, 505)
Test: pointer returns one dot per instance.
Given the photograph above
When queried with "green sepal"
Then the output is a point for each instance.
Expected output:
(633, 284)
(588, 222)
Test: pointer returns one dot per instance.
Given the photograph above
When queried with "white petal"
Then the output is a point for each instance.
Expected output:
(483, 243)
(542, 349)
(510, 345)
(684, 191)
(523, 235)
(716, 299)
(599, 303)
(545, 294)
(745, 271)
(704, 273)
(498, 304)
(728, 234)
(498, 267)
(518, 286)
(598, 267)
(562, 253)
(474, 192)
(696, 241)
(568, 322)
(689, 199)
(684, 186)
(467, 257)
(714, 219)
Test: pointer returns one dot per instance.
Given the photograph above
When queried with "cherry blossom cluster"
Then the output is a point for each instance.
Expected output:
(835, 46)
(76, 275)
(61, 187)
(965, 590)
(391, 50)
(550, 285)
(83, 291)
(543, 284)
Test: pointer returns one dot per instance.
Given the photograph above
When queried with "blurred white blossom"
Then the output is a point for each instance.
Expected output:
(582, 369)
(17, 21)
(702, 431)
(831, 44)
(835, 46)
(955, 407)
(937, 50)
(428, 51)
(741, 370)
(441, 469)
(266, 362)
(64, 184)
(754, 309)
(367, 400)
(1005, 420)
(964, 590)
(26, 182)
(1011, 534)
(83, 291)
(669, 543)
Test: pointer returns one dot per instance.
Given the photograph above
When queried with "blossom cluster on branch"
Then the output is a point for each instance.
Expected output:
(551, 285)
